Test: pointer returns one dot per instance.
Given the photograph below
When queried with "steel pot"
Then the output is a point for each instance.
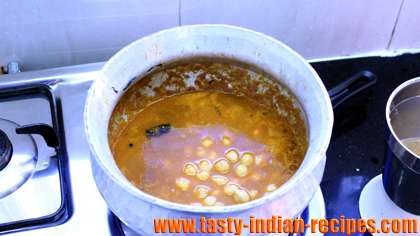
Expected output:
(138, 209)
(401, 175)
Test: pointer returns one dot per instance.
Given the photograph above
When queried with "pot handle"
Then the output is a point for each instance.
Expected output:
(46, 131)
(351, 86)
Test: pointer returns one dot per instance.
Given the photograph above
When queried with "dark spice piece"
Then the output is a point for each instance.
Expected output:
(158, 130)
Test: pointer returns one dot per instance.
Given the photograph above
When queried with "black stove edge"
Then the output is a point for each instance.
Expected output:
(357, 149)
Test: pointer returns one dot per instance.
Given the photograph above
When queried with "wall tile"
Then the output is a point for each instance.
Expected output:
(47, 33)
(7, 43)
(407, 31)
(316, 29)
(22, 11)
(88, 56)
(18, 11)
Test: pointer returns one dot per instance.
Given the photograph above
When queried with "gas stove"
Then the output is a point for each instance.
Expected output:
(61, 197)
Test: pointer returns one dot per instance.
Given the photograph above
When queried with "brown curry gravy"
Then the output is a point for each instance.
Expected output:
(235, 134)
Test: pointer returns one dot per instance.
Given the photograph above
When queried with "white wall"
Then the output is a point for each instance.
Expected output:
(315, 29)
(51, 33)
(407, 30)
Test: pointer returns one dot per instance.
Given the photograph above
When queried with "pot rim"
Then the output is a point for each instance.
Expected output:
(284, 188)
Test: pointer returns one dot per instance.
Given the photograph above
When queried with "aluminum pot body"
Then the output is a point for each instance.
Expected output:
(138, 209)
(401, 174)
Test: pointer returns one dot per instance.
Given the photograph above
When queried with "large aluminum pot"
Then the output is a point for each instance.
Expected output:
(138, 209)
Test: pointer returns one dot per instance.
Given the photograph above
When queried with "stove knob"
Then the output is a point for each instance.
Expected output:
(13, 67)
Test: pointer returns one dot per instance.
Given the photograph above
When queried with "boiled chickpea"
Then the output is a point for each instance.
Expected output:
(241, 196)
(166, 163)
(190, 169)
(222, 166)
(205, 165)
(210, 201)
(183, 183)
(259, 160)
(201, 152)
(203, 175)
(232, 155)
(230, 189)
(256, 176)
(201, 191)
(241, 170)
(220, 179)
(247, 158)
(271, 187)
(206, 142)
(212, 155)
(188, 150)
(293, 167)
(226, 141)
(253, 193)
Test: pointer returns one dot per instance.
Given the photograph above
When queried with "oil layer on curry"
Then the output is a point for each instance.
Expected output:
(205, 132)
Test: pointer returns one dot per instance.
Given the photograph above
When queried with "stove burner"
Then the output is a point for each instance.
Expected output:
(6, 150)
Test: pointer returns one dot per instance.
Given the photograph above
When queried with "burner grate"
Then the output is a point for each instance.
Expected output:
(64, 211)
(5, 150)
